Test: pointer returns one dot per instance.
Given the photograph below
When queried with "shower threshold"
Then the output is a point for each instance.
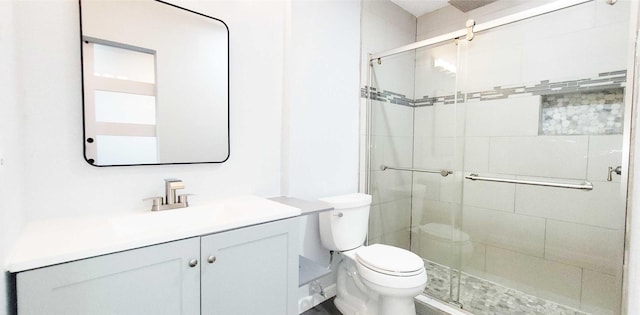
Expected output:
(483, 297)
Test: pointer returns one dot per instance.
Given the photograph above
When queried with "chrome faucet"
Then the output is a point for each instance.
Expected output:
(171, 200)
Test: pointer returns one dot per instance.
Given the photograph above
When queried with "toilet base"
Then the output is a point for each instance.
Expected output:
(391, 305)
(358, 296)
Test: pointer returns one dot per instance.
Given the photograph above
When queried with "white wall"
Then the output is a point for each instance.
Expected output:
(42, 117)
(11, 135)
(323, 111)
(320, 137)
(319, 156)
(60, 183)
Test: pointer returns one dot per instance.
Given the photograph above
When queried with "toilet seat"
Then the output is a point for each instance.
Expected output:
(389, 260)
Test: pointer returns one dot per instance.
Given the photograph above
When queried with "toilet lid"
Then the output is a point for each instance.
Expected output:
(390, 260)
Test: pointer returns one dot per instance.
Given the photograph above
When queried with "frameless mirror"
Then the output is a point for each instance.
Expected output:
(155, 84)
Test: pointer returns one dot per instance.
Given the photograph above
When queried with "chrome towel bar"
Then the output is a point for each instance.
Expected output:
(584, 185)
(444, 173)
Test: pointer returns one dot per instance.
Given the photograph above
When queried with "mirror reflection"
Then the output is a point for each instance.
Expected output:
(155, 84)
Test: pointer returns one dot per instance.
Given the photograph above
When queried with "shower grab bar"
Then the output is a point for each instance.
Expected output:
(584, 185)
(444, 173)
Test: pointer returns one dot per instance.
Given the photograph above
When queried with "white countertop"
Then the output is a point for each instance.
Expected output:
(306, 206)
(49, 242)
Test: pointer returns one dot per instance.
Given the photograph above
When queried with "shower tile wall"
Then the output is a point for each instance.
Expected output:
(560, 244)
(385, 26)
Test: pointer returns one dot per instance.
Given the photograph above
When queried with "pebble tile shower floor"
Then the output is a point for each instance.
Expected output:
(482, 297)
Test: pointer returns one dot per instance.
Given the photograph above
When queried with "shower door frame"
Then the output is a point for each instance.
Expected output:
(631, 96)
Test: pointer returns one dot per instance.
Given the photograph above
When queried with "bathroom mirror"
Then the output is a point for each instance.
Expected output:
(155, 84)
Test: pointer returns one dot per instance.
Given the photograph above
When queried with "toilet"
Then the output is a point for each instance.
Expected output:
(374, 279)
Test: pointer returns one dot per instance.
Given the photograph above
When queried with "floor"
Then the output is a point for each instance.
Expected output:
(325, 308)
(479, 296)
(328, 308)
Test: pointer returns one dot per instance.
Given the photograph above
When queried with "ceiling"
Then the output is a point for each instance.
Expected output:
(420, 7)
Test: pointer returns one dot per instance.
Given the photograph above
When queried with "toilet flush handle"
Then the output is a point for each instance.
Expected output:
(338, 214)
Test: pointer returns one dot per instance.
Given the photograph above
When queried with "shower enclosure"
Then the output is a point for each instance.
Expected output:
(502, 161)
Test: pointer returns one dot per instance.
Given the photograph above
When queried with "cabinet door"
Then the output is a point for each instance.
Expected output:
(255, 270)
(150, 280)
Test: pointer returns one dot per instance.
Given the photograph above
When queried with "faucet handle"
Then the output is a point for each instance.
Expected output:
(157, 202)
(183, 198)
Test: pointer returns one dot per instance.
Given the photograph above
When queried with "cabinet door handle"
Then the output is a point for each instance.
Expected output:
(211, 259)
(193, 262)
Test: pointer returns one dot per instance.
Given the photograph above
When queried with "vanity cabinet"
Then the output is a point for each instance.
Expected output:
(251, 270)
(150, 280)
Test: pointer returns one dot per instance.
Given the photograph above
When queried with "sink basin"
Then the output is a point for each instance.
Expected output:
(48, 242)
(219, 215)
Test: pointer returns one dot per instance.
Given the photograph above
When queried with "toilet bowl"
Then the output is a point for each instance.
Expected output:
(371, 280)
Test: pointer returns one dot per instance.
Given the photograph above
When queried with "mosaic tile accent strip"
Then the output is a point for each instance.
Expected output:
(583, 113)
(386, 96)
(601, 81)
(482, 297)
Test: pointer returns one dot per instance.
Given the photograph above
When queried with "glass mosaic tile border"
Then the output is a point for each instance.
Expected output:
(604, 80)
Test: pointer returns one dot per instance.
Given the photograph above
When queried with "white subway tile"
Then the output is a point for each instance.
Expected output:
(449, 120)
(509, 117)
(473, 262)
(451, 188)
(437, 243)
(390, 185)
(429, 80)
(604, 206)
(610, 14)
(601, 293)
(426, 186)
(391, 151)
(565, 21)
(549, 156)
(438, 153)
(441, 21)
(543, 278)
(575, 55)
(591, 247)
(395, 215)
(398, 239)
(510, 231)
(391, 120)
(375, 222)
(376, 150)
(433, 211)
(491, 64)
(391, 74)
(604, 151)
(476, 155)
(490, 195)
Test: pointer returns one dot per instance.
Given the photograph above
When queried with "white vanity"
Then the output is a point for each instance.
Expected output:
(236, 256)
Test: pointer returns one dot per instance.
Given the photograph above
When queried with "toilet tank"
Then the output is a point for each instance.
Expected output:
(346, 226)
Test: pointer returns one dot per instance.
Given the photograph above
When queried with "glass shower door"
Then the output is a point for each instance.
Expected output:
(545, 103)
(416, 158)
